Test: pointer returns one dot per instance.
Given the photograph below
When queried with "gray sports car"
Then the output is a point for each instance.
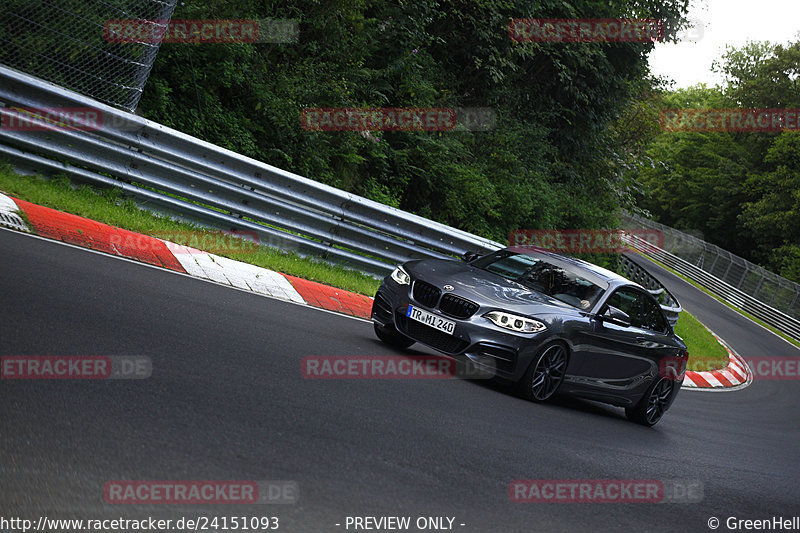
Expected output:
(550, 323)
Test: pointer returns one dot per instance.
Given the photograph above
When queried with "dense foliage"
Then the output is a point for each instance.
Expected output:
(577, 134)
(741, 190)
(554, 160)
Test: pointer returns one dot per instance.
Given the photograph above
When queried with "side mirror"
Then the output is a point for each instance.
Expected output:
(617, 316)
(469, 256)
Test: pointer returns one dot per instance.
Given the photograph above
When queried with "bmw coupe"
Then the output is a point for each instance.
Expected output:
(548, 322)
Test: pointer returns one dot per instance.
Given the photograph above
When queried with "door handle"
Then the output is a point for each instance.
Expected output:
(641, 340)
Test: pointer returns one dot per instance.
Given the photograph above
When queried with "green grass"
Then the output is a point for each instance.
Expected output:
(109, 207)
(705, 353)
(777, 332)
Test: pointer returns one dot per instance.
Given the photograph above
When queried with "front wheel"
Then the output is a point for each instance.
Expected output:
(653, 404)
(392, 337)
(545, 374)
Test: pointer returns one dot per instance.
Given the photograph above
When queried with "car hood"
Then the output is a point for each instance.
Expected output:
(485, 288)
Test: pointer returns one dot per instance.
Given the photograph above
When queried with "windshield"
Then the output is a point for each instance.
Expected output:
(558, 282)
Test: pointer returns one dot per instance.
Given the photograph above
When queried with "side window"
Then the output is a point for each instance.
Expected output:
(630, 302)
(653, 317)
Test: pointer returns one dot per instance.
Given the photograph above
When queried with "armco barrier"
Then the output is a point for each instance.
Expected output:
(169, 171)
(767, 287)
(730, 294)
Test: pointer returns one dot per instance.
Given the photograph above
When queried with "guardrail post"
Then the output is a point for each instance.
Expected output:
(758, 287)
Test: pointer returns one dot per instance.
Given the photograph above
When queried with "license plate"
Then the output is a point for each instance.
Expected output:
(429, 319)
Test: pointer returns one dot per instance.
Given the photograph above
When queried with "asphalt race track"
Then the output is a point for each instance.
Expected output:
(227, 401)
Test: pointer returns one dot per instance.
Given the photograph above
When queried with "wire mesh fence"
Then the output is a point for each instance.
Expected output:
(63, 41)
(763, 285)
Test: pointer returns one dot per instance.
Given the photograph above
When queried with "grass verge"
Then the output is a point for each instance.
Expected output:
(705, 353)
(109, 207)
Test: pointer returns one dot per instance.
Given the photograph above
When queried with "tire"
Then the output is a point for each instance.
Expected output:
(653, 404)
(389, 335)
(545, 374)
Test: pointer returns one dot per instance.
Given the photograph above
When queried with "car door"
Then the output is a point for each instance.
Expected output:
(621, 355)
(660, 345)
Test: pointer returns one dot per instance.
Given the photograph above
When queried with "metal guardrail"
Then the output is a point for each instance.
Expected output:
(729, 293)
(767, 287)
(177, 174)
(174, 173)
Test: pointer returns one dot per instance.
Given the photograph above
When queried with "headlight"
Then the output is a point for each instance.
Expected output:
(515, 322)
(400, 275)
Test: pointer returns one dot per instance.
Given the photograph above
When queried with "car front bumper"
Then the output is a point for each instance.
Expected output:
(490, 348)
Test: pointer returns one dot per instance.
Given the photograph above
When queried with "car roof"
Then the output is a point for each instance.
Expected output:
(596, 274)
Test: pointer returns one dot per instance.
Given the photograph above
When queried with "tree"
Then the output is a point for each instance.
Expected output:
(774, 215)
(552, 160)
(740, 189)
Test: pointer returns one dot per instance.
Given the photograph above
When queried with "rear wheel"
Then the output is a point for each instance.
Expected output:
(392, 337)
(653, 404)
(545, 374)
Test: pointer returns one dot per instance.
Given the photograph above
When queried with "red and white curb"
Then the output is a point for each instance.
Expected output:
(737, 375)
(86, 233)
(226, 271)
